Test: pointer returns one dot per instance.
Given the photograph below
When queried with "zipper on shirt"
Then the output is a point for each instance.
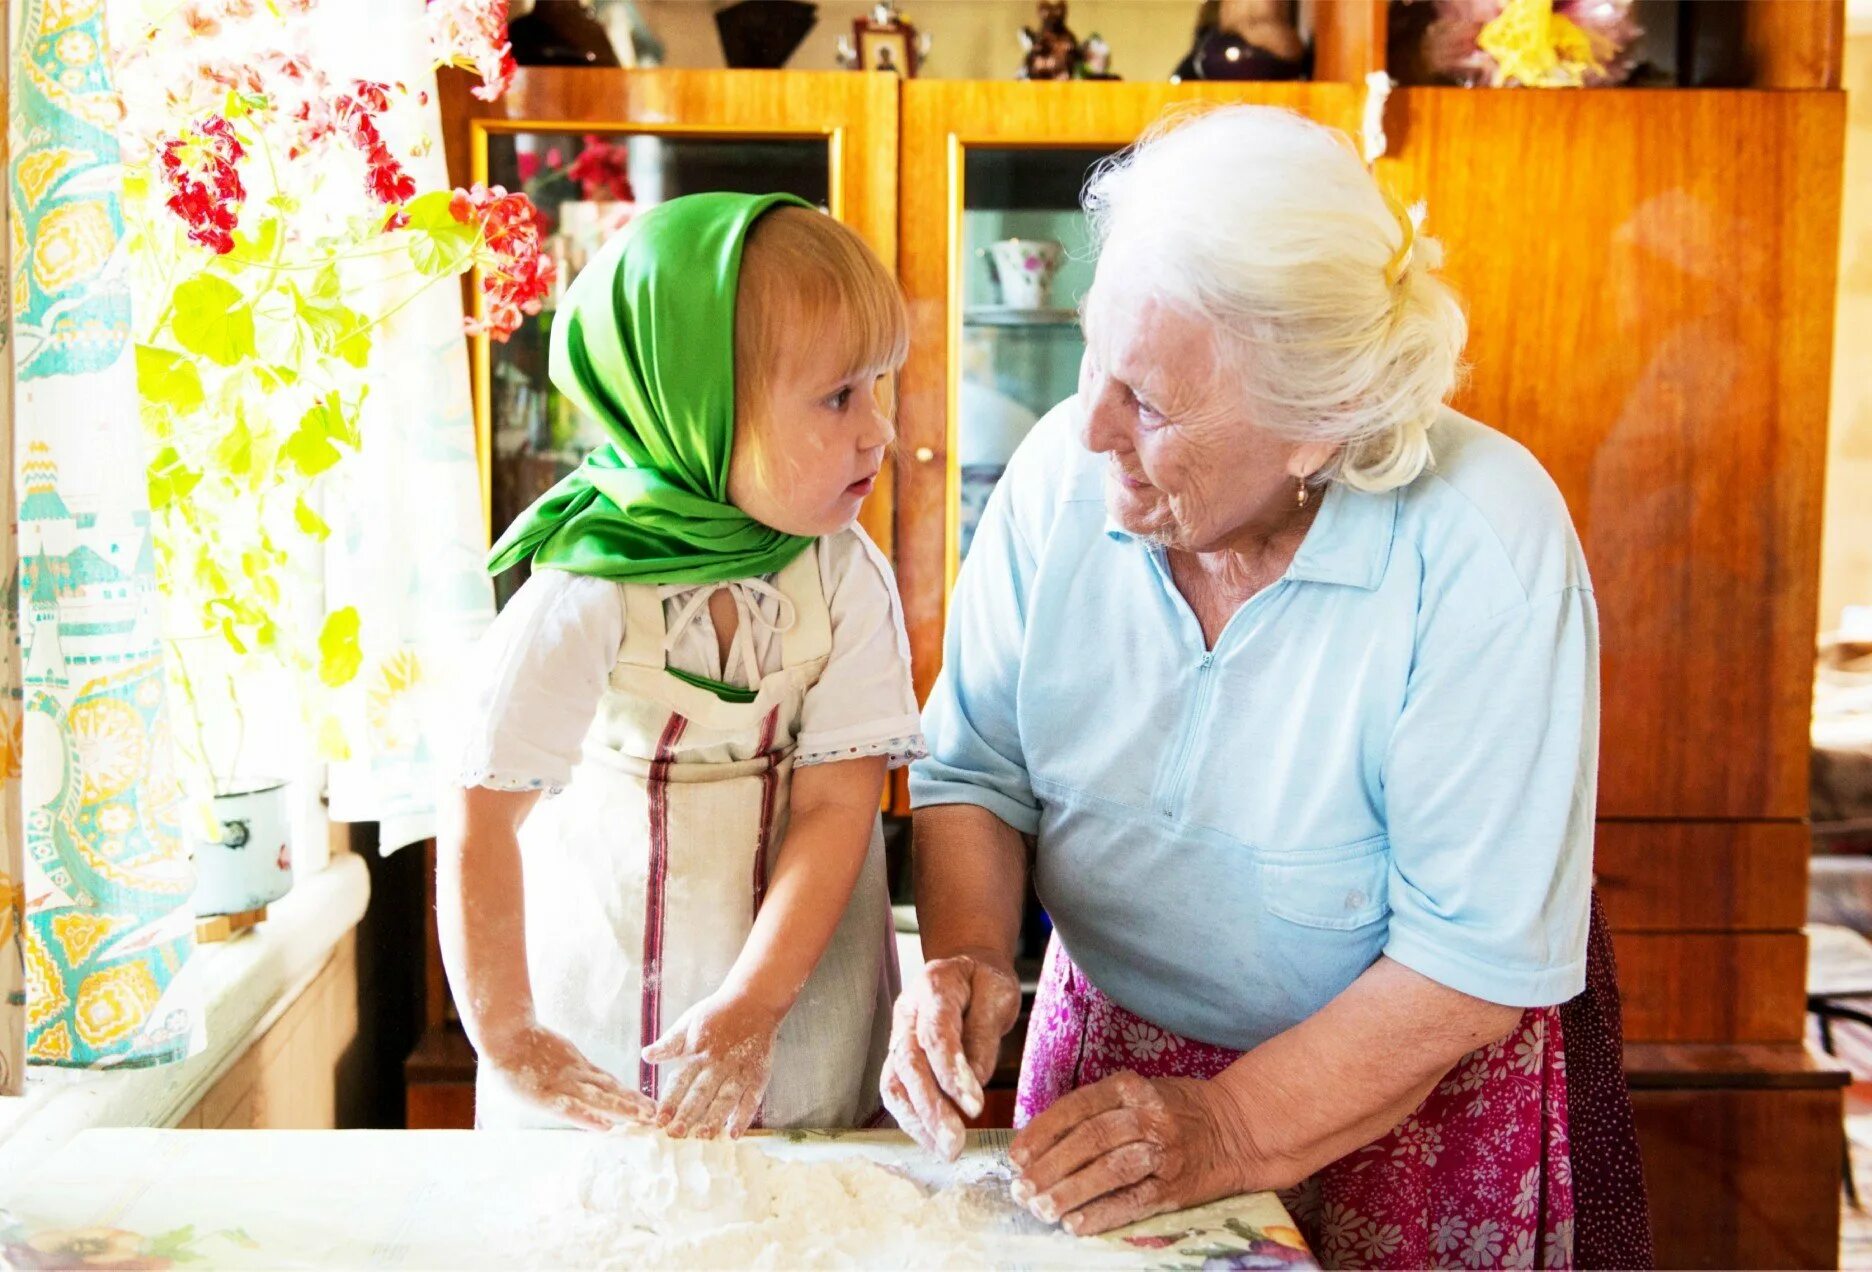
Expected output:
(1199, 712)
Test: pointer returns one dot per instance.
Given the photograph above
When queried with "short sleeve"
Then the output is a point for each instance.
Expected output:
(1489, 784)
(863, 703)
(971, 718)
(536, 680)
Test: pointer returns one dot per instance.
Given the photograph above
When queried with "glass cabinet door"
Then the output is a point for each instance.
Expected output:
(1027, 261)
(596, 147)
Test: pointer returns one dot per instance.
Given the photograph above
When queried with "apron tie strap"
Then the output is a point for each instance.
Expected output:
(746, 594)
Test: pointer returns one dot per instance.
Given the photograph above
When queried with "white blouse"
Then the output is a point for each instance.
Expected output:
(544, 663)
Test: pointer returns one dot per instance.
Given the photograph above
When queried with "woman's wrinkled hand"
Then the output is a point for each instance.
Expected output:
(721, 1050)
(946, 1035)
(1126, 1149)
(547, 1069)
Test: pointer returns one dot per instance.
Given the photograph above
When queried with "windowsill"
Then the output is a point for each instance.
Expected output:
(245, 985)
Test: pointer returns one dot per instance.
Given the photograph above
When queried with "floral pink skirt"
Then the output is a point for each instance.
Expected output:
(1486, 1173)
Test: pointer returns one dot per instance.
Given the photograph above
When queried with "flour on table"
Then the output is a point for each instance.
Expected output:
(642, 1199)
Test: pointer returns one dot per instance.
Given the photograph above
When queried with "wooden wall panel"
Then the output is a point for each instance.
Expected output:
(1795, 43)
(1742, 1179)
(1349, 38)
(1712, 987)
(1702, 876)
(1649, 279)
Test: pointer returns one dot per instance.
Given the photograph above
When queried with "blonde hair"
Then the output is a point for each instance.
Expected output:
(803, 271)
(1268, 225)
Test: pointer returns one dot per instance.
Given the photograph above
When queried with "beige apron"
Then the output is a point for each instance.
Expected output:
(642, 878)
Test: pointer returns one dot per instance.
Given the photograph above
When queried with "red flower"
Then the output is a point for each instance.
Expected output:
(602, 170)
(515, 277)
(200, 22)
(473, 34)
(204, 182)
(355, 114)
(529, 164)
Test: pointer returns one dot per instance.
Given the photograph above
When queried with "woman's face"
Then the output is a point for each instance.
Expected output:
(1187, 466)
(806, 466)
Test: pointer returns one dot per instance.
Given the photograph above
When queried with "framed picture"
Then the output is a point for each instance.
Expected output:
(886, 51)
(885, 42)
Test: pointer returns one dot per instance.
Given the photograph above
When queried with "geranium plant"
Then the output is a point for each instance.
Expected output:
(600, 172)
(273, 229)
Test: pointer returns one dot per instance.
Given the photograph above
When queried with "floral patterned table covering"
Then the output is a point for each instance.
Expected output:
(129, 1199)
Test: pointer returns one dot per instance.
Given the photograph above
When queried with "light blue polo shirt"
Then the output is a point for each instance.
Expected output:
(1391, 750)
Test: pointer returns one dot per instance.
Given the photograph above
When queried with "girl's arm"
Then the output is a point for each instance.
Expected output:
(480, 921)
(727, 1039)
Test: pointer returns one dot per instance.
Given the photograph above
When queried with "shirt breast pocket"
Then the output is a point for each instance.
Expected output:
(1338, 889)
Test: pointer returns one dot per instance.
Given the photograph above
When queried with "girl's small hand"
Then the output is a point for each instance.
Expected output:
(549, 1070)
(726, 1044)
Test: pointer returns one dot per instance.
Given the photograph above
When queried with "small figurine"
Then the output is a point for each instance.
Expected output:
(1245, 40)
(1097, 63)
(1052, 52)
(885, 41)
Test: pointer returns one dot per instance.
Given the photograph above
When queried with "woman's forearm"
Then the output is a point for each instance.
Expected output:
(971, 883)
(1348, 1074)
(481, 910)
(815, 869)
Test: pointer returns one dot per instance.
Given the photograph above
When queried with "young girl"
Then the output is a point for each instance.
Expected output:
(708, 678)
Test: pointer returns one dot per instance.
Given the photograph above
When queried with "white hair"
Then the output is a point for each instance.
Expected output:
(1268, 225)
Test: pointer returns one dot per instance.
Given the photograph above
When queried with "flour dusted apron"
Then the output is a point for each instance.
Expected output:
(643, 878)
(1523, 1156)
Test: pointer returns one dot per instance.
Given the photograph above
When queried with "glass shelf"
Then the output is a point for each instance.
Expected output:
(1008, 316)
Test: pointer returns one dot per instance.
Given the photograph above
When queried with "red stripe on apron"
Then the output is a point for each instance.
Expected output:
(770, 780)
(651, 1025)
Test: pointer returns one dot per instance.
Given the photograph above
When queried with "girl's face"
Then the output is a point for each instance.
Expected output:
(806, 464)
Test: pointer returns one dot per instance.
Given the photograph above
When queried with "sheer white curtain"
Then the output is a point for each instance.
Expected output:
(409, 540)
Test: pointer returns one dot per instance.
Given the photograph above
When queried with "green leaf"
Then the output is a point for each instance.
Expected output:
(169, 479)
(340, 655)
(326, 286)
(431, 211)
(439, 245)
(213, 319)
(310, 448)
(310, 522)
(234, 452)
(342, 424)
(168, 378)
(336, 328)
(258, 244)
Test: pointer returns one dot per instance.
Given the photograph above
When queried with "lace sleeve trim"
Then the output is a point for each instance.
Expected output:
(900, 750)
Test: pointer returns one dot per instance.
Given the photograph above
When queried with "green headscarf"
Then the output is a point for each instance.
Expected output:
(644, 344)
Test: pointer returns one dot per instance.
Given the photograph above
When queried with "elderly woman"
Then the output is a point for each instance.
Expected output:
(1283, 679)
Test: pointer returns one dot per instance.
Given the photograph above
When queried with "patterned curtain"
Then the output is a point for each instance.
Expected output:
(12, 850)
(411, 566)
(108, 928)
